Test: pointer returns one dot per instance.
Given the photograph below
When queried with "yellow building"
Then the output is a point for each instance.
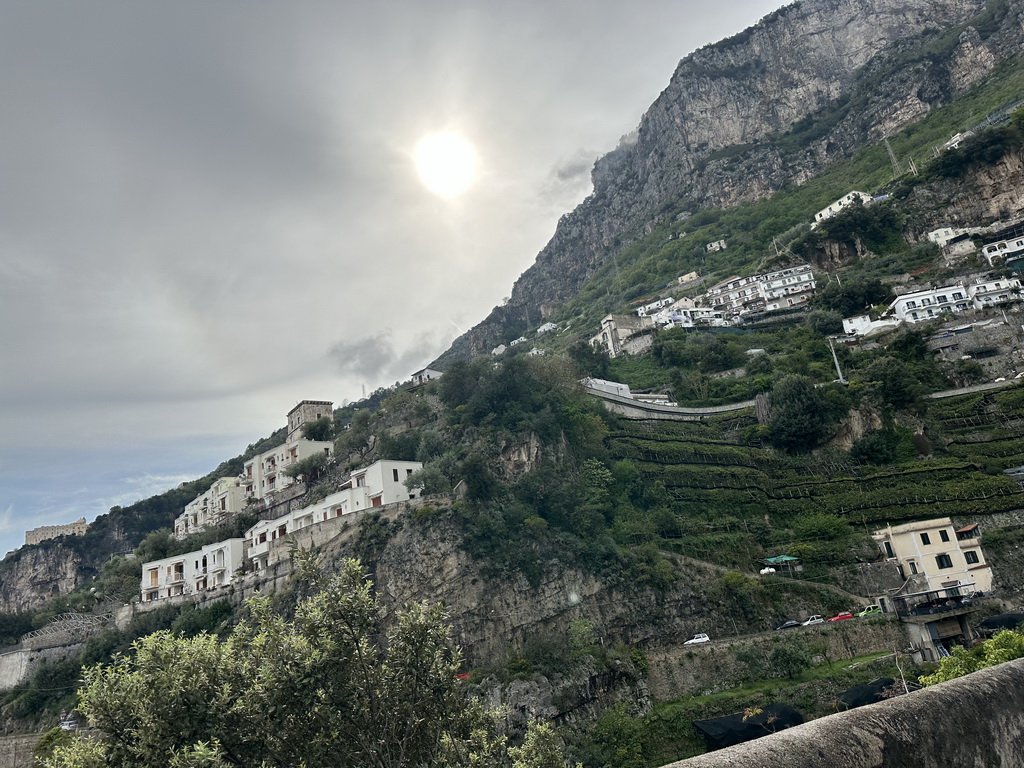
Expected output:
(948, 557)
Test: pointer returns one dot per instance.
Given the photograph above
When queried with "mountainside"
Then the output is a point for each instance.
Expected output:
(770, 107)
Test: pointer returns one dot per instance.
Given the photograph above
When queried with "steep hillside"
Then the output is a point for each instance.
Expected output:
(770, 107)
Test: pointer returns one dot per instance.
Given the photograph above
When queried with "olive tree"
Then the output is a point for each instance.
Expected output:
(334, 686)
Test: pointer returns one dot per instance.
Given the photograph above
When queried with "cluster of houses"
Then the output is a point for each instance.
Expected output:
(217, 565)
(262, 476)
(935, 303)
(730, 302)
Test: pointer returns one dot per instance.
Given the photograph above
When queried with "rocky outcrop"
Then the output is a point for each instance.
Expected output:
(773, 105)
(38, 574)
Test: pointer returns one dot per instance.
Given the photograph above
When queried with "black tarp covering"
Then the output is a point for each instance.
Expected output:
(1001, 621)
(725, 731)
(861, 695)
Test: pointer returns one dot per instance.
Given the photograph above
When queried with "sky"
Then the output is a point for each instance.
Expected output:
(210, 211)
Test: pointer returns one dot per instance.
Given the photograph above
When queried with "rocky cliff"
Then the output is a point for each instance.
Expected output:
(771, 106)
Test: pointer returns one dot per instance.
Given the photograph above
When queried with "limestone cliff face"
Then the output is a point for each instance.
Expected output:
(39, 574)
(712, 136)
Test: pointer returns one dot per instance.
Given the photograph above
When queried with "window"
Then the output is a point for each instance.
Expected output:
(913, 567)
(888, 550)
(944, 534)
(361, 481)
(971, 557)
(394, 472)
(925, 540)
(944, 561)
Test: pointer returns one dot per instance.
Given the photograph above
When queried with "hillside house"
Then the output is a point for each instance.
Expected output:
(840, 205)
(623, 334)
(948, 557)
(652, 307)
(225, 499)
(689, 277)
(546, 328)
(942, 236)
(787, 288)
(930, 303)
(715, 247)
(212, 567)
(989, 293)
(264, 475)
(499, 350)
(1003, 250)
(422, 376)
(378, 485)
(863, 325)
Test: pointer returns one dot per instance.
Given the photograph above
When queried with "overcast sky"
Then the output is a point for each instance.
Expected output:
(209, 210)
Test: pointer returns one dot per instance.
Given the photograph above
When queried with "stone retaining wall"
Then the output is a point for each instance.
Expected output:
(16, 751)
(976, 720)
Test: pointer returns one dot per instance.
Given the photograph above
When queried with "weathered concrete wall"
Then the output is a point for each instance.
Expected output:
(17, 665)
(16, 751)
(698, 670)
(976, 720)
(635, 409)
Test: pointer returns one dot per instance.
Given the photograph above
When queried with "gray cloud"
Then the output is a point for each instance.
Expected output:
(198, 199)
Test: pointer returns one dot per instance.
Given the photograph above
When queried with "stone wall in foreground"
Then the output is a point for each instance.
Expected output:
(976, 720)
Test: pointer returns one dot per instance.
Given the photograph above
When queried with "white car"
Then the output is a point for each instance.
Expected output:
(814, 620)
(698, 638)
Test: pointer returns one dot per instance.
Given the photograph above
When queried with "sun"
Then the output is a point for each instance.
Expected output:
(446, 163)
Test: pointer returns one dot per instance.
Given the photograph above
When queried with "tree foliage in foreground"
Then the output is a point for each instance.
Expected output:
(1004, 646)
(331, 687)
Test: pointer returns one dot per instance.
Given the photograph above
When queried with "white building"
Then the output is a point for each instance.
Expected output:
(1004, 249)
(515, 342)
(611, 387)
(500, 349)
(863, 325)
(936, 302)
(842, 204)
(546, 328)
(786, 288)
(948, 557)
(264, 475)
(652, 307)
(424, 375)
(920, 306)
(377, 485)
(943, 235)
(225, 499)
(988, 293)
(683, 314)
(781, 289)
(212, 567)
(715, 247)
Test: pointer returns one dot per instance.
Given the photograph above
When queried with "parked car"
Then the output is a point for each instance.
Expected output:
(698, 638)
(842, 615)
(815, 619)
(871, 610)
(788, 624)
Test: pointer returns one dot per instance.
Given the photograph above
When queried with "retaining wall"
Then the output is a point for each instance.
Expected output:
(16, 751)
(976, 720)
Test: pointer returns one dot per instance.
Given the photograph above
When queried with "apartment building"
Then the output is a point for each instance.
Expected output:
(225, 499)
(623, 334)
(949, 558)
(377, 485)
(840, 205)
(210, 568)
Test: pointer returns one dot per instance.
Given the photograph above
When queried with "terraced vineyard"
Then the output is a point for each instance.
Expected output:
(734, 502)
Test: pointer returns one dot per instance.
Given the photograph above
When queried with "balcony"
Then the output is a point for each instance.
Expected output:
(176, 578)
(926, 607)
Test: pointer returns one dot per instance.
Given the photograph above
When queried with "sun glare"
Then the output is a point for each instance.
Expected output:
(446, 163)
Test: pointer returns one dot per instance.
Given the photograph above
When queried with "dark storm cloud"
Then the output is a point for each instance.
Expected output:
(372, 357)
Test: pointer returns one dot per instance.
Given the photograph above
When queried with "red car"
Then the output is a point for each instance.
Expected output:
(841, 616)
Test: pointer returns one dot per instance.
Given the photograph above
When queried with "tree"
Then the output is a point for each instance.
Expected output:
(334, 686)
(321, 429)
(1004, 646)
(310, 468)
(798, 420)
